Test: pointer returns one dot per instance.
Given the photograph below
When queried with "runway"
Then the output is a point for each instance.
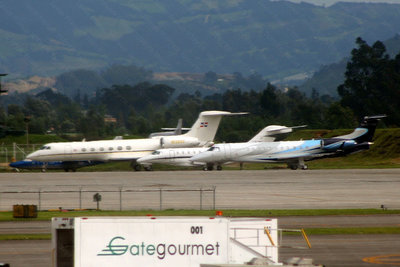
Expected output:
(269, 189)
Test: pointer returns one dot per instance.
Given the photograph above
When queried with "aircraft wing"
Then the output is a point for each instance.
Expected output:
(132, 155)
(273, 133)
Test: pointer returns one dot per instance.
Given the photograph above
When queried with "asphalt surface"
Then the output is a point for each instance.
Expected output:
(272, 189)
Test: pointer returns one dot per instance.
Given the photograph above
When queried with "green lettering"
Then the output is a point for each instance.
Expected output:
(137, 251)
(150, 250)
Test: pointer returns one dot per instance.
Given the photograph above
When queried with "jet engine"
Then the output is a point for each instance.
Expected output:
(178, 141)
(338, 145)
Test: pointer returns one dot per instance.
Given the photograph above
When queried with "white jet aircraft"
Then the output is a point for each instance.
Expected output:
(182, 156)
(294, 153)
(201, 134)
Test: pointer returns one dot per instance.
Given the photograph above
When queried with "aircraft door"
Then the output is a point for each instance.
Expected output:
(227, 152)
(171, 155)
(67, 152)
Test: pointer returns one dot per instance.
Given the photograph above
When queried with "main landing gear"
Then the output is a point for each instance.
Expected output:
(210, 167)
(298, 165)
(137, 167)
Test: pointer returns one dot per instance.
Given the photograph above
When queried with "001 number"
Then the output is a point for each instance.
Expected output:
(196, 230)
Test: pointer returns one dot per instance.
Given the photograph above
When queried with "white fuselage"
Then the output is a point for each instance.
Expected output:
(105, 150)
(173, 156)
(261, 152)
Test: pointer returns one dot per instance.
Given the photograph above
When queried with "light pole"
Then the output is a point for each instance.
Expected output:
(27, 119)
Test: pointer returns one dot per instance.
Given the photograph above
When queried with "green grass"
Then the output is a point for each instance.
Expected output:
(25, 237)
(353, 231)
(47, 215)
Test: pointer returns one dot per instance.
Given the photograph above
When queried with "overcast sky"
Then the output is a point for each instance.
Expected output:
(331, 2)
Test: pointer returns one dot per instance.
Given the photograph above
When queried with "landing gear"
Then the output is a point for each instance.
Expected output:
(135, 166)
(293, 166)
(148, 167)
(219, 167)
(298, 165)
(208, 167)
(44, 167)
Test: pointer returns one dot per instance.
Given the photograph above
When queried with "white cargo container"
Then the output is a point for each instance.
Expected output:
(162, 241)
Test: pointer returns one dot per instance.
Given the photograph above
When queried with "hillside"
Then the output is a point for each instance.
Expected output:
(276, 39)
(329, 77)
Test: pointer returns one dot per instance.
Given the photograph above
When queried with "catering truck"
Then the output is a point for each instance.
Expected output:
(162, 241)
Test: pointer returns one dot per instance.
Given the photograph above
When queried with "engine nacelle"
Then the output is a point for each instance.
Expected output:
(178, 141)
(337, 144)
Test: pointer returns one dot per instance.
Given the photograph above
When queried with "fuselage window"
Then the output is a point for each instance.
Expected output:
(92, 149)
(110, 148)
(120, 148)
(128, 148)
(101, 148)
(83, 149)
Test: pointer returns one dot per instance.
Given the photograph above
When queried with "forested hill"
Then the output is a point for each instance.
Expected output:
(275, 39)
(329, 77)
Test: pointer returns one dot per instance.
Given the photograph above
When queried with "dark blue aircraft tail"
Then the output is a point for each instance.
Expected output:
(365, 132)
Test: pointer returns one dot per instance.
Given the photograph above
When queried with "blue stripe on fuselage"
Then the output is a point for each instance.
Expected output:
(307, 145)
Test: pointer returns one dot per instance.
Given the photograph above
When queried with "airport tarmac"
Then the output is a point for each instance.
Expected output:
(269, 189)
(265, 189)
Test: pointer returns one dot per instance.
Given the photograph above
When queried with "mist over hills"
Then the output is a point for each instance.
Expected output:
(275, 39)
(328, 77)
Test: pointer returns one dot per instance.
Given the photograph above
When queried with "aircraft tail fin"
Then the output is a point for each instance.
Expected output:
(206, 125)
(365, 132)
(178, 129)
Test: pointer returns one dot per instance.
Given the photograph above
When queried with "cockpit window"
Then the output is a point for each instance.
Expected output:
(45, 147)
(213, 148)
(156, 152)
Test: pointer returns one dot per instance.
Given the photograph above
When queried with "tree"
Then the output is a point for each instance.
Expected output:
(269, 101)
(372, 82)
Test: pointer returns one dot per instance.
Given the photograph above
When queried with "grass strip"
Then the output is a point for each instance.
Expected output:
(25, 237)
(309, 232)
(47, 215)
(349, 231)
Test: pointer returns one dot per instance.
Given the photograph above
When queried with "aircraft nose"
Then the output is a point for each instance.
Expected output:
(145, 159)
(141, 160)
(202, 157)
(33, 155)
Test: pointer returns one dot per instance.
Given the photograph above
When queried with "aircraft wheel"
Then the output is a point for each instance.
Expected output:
(219, 167)
(137, 167)
(148, 168)
(210, 168)
(293, 167)
(304, 167)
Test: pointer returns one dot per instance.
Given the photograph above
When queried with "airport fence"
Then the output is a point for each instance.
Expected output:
(16, 152)
(111, 199)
